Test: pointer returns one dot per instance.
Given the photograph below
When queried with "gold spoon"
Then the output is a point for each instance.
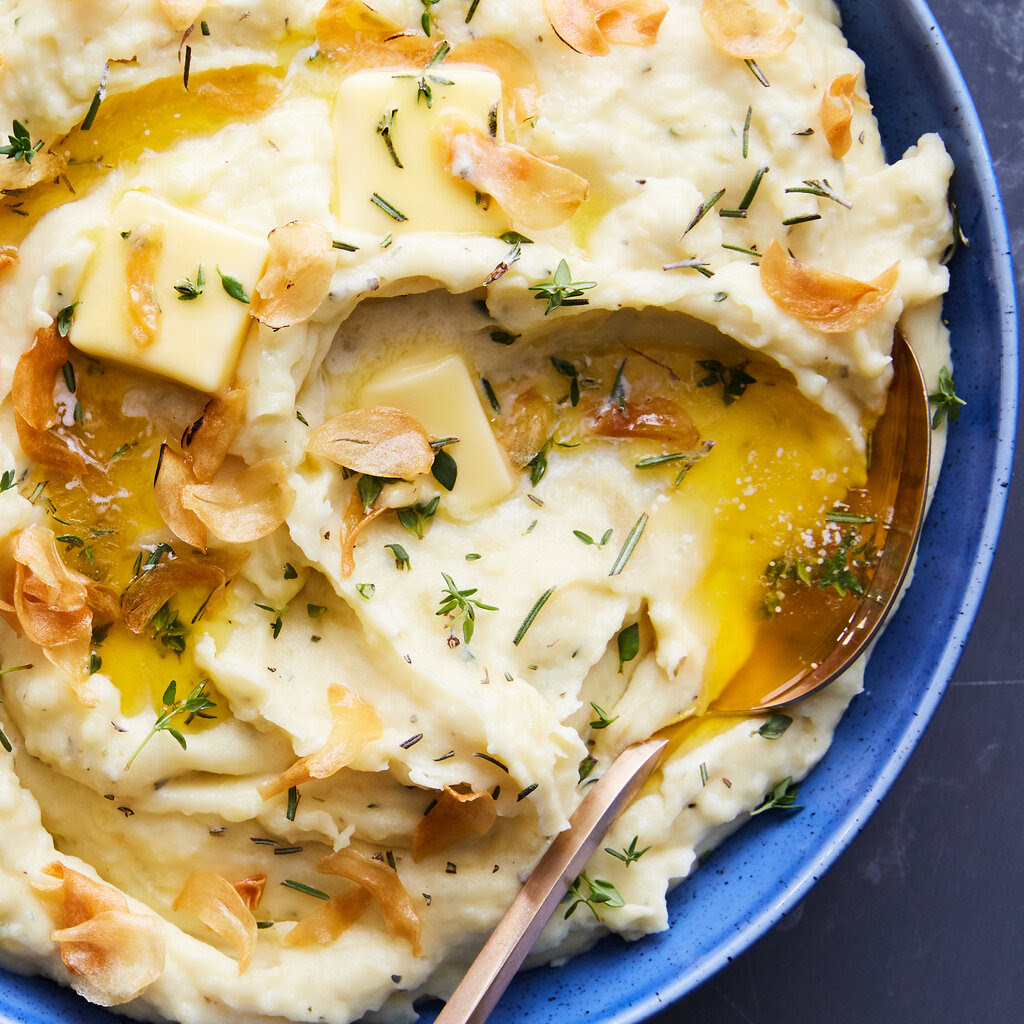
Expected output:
(898, 483)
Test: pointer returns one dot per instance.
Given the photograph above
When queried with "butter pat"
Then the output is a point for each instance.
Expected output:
(145, 322)
(442, 397)
(421, 190)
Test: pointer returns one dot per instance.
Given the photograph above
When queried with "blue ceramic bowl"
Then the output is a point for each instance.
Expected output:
(764, 870)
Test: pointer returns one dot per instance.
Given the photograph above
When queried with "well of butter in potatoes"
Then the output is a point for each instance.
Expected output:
(406, 408)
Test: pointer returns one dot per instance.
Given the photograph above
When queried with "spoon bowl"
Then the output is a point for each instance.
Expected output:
(898, 486)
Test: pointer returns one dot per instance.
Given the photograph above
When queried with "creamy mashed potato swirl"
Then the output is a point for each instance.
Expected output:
(548, 244)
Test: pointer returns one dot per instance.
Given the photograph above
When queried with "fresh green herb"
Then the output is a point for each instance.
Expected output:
(444, 470)
(95, 663)
(538, 465)
(204, 27)
(423, 83)
(285, 850)
(820, 188)
(79, 412)
(752, 251)
(278, 613)
(530, 528)
(629, 644)
(306, 890)
(261, 924)
(524, 793)
(290, 572)
(960, 240)
(837, 571)
(402, 560)
(585, 537)
(531, 615)
(755, 183)
(188, 66)
(492, 398)
(385, 242)
(617, 395)
(514, 238)
(5, 742)
(344, 246)
(68, 370)
(805, 218)
(628, 854)
(757, 73)
(599, 892)
(425, 20)
(168, 629)
(848, 517)
(567, 369)
(293, 803)
(503, 337)
(64, 318)
(781, 797)
(472, 557)
(73, 540)
(946, 401)
(382, 204)
(719, 296)
(472, 10)
(233, 287)
(369, 488)
(366, 590)
(302, 419)
(602, 721)
(385, 127)
(461, 606)
(7, 480)
(735, 214)
(586, 766)
(628, 545)
(733, 379)
(195, 705)
(775, 727)
(14, 668)
(188, 289)
(98, 97)
(20, 145)
(806, 132)
(605, 537)
(314, 611)
(416, 517)
(493, 760)
(123, 449)
(562, 290)
(691, 263)
(703, 773)
(705, 205)
(746, 132)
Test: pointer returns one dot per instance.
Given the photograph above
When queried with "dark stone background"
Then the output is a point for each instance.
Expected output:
(922, 918)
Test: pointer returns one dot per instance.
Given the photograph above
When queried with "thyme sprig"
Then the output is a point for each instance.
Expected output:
(945, 399)
(385, 126)
(599, 891)
(562, 290)
(20, 145)
(461, 606)
(188, 289)
(781, 797)
(195, 705)
(628, 854)
(734, 380)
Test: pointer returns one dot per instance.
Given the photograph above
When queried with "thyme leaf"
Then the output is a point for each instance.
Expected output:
(195, 705)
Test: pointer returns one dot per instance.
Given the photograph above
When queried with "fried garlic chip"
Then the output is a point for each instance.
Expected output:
(243, 508)
(652, 416)
(182, 13)
(533, 191)
(355, 723)
(251, 889)
(112, 954)
(354, 36)
(173, 477)
(298, 275)
(821, 299)
(837, 114)
(380, 441)
(356, 520)
(384, 885)
(455, 817)
(155, 587)
(144, 248)
(206, 443)
(216, 902)
(326, 923)
(54, 606)
(527, 424)
(8, 257)
(246, 92)
(748, 31)
(520, 88)
(589, 26)
(16, 175)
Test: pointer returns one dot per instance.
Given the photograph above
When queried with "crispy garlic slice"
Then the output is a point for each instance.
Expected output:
(8, 257)
(837, 113)
(453, 818)
(384, 885)
(590, 26)
(182, 13)
(298, 275)
(216, 902)
(748, 31)
(533, 191)
(206, 443)
(355, 723)
(57, 607)
(379, 441)
(248, 91)
(251, 890)
(112, 954)
(354, 36)
(821, 299)
(323, 925)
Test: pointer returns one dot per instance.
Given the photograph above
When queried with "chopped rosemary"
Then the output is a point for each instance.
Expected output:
(757, 72)
(691, 263)
(531, 615)
(98, 97)
(820, 188)
(472, 10)
(629, 544)
(307, 890)
(746, 252)
(492, 398)
(344, 246)
(746, 132)
(382, 204)
(960, 240)
(385, 126)
(755, 184)
(706, 205)
(293, 802)
(493, 760)
(803, 219)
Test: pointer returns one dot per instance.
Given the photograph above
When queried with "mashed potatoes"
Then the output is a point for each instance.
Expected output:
(500, 367)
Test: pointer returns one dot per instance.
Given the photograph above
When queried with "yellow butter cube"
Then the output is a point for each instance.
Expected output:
(130, 310)
(442, 396)
(387, 145)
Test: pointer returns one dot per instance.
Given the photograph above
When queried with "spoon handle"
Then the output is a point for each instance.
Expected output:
(509, 944)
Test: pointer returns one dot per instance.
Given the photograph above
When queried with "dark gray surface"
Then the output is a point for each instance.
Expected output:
(922, 918)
